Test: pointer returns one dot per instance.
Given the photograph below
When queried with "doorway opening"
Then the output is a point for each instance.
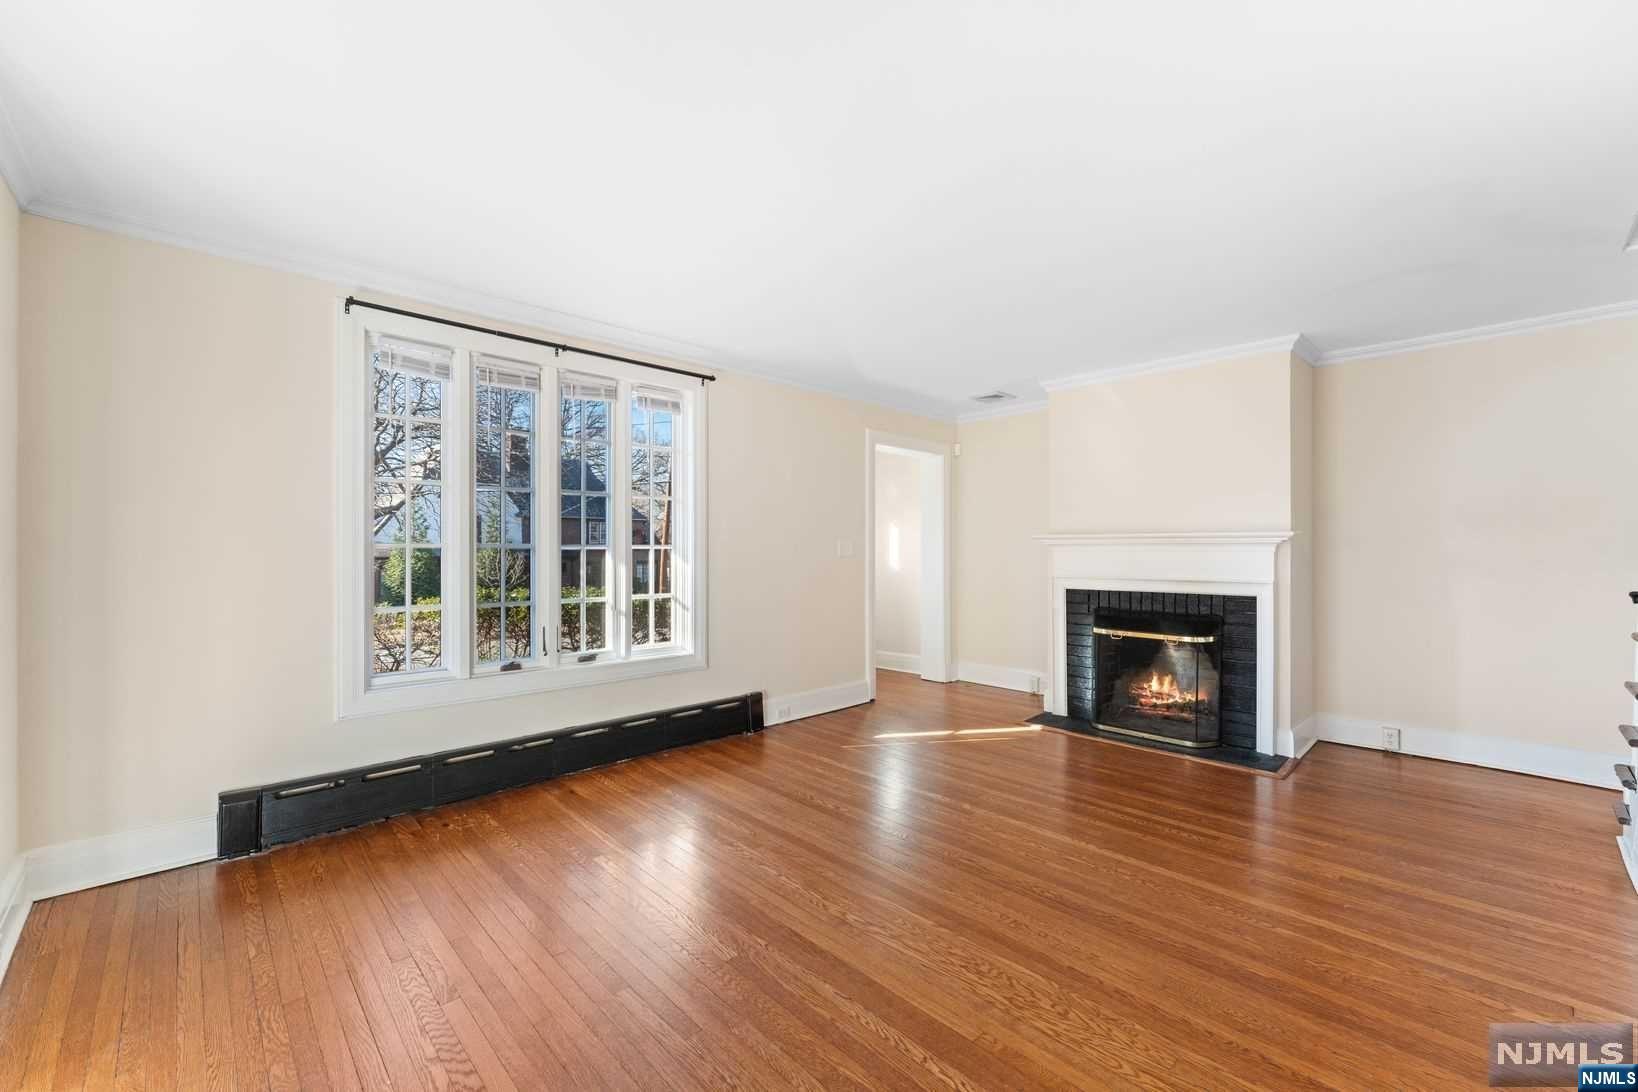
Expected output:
(908, 563)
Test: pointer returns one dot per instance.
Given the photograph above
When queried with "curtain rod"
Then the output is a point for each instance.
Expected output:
(556, 346)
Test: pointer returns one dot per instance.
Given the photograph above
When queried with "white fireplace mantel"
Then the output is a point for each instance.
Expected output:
(1202, 563)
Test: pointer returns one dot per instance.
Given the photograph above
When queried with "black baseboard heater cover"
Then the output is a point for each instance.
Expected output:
(251, 820)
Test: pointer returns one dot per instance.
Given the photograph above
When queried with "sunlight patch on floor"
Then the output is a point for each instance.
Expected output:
(953, 733)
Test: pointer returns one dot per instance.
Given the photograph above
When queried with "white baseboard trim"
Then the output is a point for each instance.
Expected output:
(909, 662)
(810, 703)
(1559, 763)
(74, 866)
(1295, 742)
(1008, 678)
(14, 904)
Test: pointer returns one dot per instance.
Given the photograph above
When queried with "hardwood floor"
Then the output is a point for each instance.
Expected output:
(819, 907)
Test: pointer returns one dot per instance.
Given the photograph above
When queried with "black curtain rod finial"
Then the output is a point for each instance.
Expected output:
(558, 348)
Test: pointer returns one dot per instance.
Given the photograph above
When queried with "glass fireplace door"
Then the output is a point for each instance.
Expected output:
(1157, 677)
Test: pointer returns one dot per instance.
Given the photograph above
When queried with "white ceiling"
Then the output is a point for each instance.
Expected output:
(909, 202)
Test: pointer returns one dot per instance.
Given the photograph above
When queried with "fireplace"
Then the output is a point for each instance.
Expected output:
(1176, 668)
(1228, 577)
(1158, 677)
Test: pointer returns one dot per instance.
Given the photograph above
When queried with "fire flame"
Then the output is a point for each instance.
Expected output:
(1160, 690)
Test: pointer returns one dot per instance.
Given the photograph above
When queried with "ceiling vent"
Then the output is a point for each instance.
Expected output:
(993, 397)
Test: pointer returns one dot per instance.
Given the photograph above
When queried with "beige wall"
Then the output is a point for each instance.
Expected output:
(9, 805)
(178, 560)
(1301, 550)
(1201, 449)
(1477, 538)
(1000, 570)
(1469, 515)
(898, 579)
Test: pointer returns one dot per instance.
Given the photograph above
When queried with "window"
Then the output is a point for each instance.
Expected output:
(454, 586)
(504, 559)
(655, 416)
(407, 381)
(585, 412)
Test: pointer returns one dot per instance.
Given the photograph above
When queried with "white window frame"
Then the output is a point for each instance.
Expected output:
(358, 693)
(679, 439)
(539, 655)
(619, 473)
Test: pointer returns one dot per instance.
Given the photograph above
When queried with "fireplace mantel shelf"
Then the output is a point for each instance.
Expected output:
(1164, 538)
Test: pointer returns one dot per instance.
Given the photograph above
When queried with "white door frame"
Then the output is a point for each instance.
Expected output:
(937, 645)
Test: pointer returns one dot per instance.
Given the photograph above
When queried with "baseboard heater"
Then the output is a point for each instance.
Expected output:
(254, 819)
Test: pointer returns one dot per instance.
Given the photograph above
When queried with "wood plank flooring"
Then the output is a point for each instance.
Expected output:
(818, 907)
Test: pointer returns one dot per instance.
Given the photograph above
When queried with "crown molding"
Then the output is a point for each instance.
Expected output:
(1306, 350)
(1006, 409)
(1169, 538)
(14, 165)
(1288, 343)
(1625, 309)
(19, 177)
(364, 278)
(563, 325)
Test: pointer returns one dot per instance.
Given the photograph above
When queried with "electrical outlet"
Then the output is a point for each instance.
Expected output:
(844, 547)
(1035, 684)
(1390, 738)
(783, 712)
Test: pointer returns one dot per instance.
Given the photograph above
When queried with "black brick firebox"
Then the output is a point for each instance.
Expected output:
(1237, 666)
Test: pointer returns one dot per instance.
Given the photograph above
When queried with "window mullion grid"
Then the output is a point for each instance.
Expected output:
(619, 555)
(531, 521)
(677, 514)
(490, 542)
(501, 395)
(376, 609)
(610, 490)
(583, 589)
(587, 548)
(655, 557)
(549, 504)
(631, 546)
(661, 557)
(502, 540)
(665, 558)
(584, 548)
(406, 484)
(580, 491)
(574, 592)
(413, 477)
(682, 525)
(539, 519)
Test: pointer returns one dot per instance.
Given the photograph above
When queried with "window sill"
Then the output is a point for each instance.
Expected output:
(437, 688)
